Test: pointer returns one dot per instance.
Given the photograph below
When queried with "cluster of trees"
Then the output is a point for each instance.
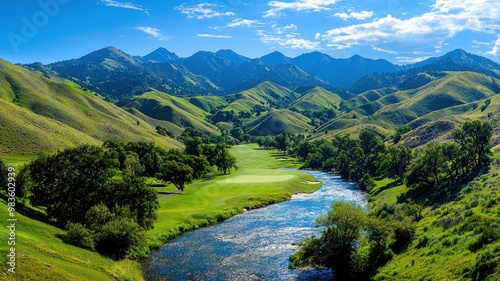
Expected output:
(73, 182)
(367, 157)
(285, 142)
(99, 194)
(447, 163)
(355, 243)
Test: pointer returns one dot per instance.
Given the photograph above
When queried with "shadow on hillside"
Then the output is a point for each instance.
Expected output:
(385, 187)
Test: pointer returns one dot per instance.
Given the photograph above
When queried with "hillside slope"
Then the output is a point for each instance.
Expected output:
(438, 106)
(161, 106)
(41, 114)
(277, 121)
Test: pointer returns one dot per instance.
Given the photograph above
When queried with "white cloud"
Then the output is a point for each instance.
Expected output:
(284, 29)
(444, 21)
(203, 11)
(355, 15)
(277, 7)
(287, 40)
(244, 23)
(495, 51)
(155, 32)
(205, 35)
(127, 5)
(408, 60)
(317, 36)
(384, 50)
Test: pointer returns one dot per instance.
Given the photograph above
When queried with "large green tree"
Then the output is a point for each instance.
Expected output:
(178, 173)
(72, 181)
(474, 139)
(340, 240)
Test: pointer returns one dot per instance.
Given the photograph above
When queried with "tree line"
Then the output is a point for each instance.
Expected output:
(99, 194)
(367, 157)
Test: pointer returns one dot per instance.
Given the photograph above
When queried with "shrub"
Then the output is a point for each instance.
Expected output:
(118, 236)
(485, 264)
(78, 235)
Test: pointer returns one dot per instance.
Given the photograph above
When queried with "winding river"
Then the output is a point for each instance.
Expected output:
(254, 245)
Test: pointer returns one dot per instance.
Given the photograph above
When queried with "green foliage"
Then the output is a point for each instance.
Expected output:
(78, 235)
(339, 244)
(366, 182)
(474, 140)
(72, 181)
(486, 266)
(179, 174)
(118, 236)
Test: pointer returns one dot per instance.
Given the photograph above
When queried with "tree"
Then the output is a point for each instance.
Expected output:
(72, 181)
(225, 161)
(395, 162)
(340, 240)
(179, 174)
(282, 141)
(193, 145)
(474, 139)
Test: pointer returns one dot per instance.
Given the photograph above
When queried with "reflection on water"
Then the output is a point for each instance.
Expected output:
(254, 245)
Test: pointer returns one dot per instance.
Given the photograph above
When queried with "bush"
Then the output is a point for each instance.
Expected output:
(118, 236)
(403, 235)
(78, 235)
(487, 261)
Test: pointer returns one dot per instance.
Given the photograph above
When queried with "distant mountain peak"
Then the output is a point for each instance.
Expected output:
(232, 56)
(160, 55)
(275, 58)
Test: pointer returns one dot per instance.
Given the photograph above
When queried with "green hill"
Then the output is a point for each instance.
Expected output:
(316, 99)
(161, 106)
(208, 103)
(265, 94)
(41, 114)
(431, 110)
(277, 121)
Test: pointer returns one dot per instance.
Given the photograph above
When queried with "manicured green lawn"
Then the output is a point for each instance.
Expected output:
(256, 183)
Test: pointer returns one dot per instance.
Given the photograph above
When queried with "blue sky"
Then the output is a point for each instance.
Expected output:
(401, 31)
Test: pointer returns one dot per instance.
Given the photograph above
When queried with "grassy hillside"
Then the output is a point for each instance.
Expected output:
(316, 99)
(208, 103)
(40, 255)
(457, 239)
(161, 106)
(278, 121)
(266, 94)
(431, 111)
(41, 114)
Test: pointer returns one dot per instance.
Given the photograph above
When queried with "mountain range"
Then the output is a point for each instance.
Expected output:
(312, 94)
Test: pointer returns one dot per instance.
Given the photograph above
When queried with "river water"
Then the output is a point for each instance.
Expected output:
(254, 245)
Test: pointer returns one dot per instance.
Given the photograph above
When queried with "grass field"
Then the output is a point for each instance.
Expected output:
(256, 183)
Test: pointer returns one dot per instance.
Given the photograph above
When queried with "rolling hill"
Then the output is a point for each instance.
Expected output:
(176, 110)
(316, 99)
(41, 114)
(431, 110)
(277, 121)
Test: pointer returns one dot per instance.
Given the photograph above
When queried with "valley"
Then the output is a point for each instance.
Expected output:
(227, 125)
